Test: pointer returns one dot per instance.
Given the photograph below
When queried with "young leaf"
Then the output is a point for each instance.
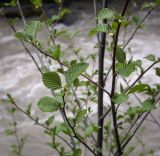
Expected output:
(74, 71)
(148, 5)
(48, 104)
(119, 98)
(138, 88)
(80, 115)
(77, 152)
(91, 129)
(150, 57)
(106, 14)
(148, 105)
(136, 19)
(120, 55)
(101, 28)
(157, 71)
(51, 80)
(32, 28)
(126, 70)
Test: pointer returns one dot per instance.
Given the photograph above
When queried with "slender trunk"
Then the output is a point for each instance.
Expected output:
(114, 113)
(100, 91)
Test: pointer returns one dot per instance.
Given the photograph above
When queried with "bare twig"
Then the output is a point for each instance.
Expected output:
(138, 26)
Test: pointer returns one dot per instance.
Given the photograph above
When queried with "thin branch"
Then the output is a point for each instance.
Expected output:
(140, 76)
(73, 130)
(138, 26)
(65, 65)
(39, 124)
(21, 12)
(114, 81)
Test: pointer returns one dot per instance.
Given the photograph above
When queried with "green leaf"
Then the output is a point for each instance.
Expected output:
(74, 71)
(148, 5)
(120, 55)
(51, 80)
(48, 104)
(149, 105)
(100, 28)
(150, 57)
(106, 14)
(80, 115)
(91, 129)
(157, 71)
(119, 98)
(126, 70)
(138, 88)
(49, 121)
(32, 28)
(77, 152)
(55, 51)
(21, 36)
(136, 19)
(132, 111)
(37, 3)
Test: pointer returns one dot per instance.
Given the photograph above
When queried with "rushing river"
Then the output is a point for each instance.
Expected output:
(19, 76)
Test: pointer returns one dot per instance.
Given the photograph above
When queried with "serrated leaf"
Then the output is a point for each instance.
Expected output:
(51, 80)
(80, 115)
(21, 36)
(32, 28)
(119, 98)
(150, 57)
(48, 104)
(77, 152)
(120, 55)
(101, 28)
(74, 71)
(106, 14)
(157, 71)
(138, 88)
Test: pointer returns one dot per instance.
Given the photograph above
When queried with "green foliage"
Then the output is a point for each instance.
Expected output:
(120, 55)
(157, 71)
(106, 13)
(74, 71)
(48, 104)
(100, 28)
(80, 115)
(37, 3)
(148, 105)
(51, 80)
(55, 51)
(136, 19)
(30, 32)
(74, 100)
(77, 152)
(91, 129)
(148, 5)
(150, 57)
(119, 98)
(139, 88)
